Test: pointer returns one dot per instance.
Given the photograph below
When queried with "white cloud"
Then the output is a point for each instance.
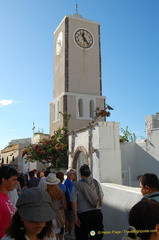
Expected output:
(5, 102)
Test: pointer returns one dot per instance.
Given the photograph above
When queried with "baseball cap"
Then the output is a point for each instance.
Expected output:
(35, 205)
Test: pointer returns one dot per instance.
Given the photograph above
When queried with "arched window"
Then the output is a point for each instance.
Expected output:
(58, 109)
(53, 112)
(7, 160)
(80, 107)
(13, 158)
(91, 108)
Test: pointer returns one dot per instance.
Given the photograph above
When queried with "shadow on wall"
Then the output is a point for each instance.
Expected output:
(136, 161)
(115, 222)
(147, 163)
(117, 202)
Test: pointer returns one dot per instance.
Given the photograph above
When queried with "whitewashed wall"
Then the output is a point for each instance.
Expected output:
(28, 166)
(130, 163)
(107, 158)
(113, 163)
(101, 143)
(141, 157)
(118, 200)
(137, 160)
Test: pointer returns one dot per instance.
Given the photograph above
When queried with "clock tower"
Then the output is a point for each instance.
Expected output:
(77, 73)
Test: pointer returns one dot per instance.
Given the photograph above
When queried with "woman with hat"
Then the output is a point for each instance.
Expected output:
(33, 218)
(58, 198)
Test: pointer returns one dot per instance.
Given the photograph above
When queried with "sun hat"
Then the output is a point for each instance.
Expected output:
(35, 205)
(51, 179)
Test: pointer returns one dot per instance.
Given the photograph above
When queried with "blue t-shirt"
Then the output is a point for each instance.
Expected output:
(62, 187)
(69, 184)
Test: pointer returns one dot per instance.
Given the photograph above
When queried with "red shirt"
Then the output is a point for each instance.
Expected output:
(7, 209)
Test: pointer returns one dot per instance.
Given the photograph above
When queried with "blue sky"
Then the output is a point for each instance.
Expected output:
(130, 61)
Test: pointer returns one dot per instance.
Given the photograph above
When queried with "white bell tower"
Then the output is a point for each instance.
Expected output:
(77, 72)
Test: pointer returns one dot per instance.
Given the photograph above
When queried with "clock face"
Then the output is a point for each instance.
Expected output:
(59, 43)
(83, 38)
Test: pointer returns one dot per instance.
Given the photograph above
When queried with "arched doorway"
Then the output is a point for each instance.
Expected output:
(80, 157)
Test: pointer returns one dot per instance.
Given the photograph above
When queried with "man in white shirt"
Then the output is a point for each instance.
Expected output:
(86, 201)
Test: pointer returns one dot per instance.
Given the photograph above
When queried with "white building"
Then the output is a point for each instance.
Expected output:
(13, 154)
(116, 165)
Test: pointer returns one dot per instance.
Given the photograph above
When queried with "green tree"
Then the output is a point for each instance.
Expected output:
(127, 136)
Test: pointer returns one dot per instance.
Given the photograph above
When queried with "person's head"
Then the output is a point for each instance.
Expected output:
(85, 170)
(71, 173)
(33, 216)
(8, 178)
(46, 173)
(149, 183)
(41, 175)
(35, 171)
(22, 181)
(144, 216)
(60, 175)
(53, 186)
(31, 174)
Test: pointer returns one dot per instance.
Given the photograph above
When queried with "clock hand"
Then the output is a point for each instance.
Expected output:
(84, 38)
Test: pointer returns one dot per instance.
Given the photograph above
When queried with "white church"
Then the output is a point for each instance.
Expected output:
(78, 91)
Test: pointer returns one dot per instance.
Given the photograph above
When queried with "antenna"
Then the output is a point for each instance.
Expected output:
(76, 6)
(33, 127)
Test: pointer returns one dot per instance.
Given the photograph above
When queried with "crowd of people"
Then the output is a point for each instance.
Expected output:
(46, 206)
